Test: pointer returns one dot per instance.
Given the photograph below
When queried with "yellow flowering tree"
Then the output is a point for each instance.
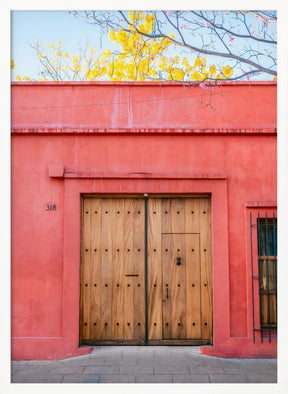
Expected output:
(245, 39)
(139, 59)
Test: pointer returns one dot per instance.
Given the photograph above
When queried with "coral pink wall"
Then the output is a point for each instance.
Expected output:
(102, 133)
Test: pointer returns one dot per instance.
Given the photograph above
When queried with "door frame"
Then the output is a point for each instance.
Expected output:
(147, 341)
(77, 184)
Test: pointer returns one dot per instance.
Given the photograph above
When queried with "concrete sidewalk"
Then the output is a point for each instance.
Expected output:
(145, 364)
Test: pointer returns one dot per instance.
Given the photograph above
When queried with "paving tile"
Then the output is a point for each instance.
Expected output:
(233, 371)
(88, 378)
(153, 378)
(177, 358)
(26, 369)
(224, 363)
(203, 370)
(108, 350)
(117, 379)
(42, 364)
(18, 378)
(102, 369)
(214, 363)
(121, 360)
(22, 368)
(204, 378)
(88, 361)
(171, 369)
(66, 370)
(145, 357)
(261, 378)
(259, 371)
(135, 370)
(257, 364)
(43, 378)
(228, 378)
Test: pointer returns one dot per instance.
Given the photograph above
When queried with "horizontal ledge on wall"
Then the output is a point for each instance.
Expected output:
(139, 130)
(261, 204)
(142, 175)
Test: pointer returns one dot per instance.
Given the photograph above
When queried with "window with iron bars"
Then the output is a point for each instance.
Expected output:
(266, 280)
(267, 266)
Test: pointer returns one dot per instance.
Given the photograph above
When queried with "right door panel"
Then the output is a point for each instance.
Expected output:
(179, 269)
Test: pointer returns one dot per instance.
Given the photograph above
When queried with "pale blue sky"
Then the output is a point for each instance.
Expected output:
(47, 27)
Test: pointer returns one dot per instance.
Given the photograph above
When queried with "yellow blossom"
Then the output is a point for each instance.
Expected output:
(227, 71)
(111, 35)
(212, 69)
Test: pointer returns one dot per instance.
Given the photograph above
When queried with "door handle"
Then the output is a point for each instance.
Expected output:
(167, 292)
(178, 261)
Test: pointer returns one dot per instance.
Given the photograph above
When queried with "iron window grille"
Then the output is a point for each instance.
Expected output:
(264, 277)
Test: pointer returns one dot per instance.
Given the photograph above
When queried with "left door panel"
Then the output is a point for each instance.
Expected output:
(112, 270)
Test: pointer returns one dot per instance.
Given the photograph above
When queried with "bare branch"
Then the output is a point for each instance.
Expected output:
(233, 33)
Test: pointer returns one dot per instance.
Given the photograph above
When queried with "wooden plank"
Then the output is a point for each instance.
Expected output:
(128, 270)
(178, 342)
(179, 311)
(166, 224)
(138, 269)
(118, 317)
(192, 215)
(273, 309)
(114, 342)
(206, 271)
(154, 269)
(106, 270)
(166, 247)
(95, 270)
(85, 270)
(173, 216)
(268, 270)
(174, 289)
(153, 342)
(178, 215)
(193, 284)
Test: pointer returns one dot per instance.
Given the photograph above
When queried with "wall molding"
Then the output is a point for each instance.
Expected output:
(261, 204)
(139, 130)
(58, 171)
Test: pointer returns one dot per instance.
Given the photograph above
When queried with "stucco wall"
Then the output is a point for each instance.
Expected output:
(120, 128)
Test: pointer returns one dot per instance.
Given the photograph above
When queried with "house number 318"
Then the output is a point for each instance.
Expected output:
(50, 207)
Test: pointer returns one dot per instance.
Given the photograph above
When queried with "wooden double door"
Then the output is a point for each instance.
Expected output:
(146, 271)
